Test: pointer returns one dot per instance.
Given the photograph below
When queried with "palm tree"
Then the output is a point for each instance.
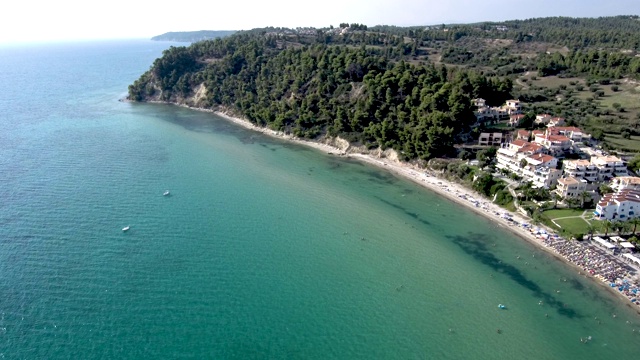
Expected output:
(590, 230)
(618, 226)
(572, 202)
(605, 189)
(556, 198)
(635, 222)
(607, 225)
(523, 163)
(583, 197)
(527, 190)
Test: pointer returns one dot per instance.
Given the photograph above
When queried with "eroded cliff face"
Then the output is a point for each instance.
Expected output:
(345, 147)
(199, 95)
(198, 100)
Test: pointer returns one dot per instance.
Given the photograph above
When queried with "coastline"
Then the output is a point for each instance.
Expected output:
(443, 187)
(448, 189)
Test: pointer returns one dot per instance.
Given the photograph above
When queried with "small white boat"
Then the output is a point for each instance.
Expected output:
(126, 228)
(166, 193)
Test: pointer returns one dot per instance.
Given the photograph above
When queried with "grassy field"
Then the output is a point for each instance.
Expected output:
(554, 81)
(628, 100)
(632, 145)
(574, 225)
(559, 213)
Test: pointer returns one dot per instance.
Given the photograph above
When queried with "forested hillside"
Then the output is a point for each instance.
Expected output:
(409, 89)
(357, 93)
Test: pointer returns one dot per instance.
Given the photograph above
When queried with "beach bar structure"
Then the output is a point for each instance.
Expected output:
(628, 246)
(605, 244)
(634, 260)
(617, 239)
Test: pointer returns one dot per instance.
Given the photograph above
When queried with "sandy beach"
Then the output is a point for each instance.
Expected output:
(518, 224)
(451, 190)
(461, 195)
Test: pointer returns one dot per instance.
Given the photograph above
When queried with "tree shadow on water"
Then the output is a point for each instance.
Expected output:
(476, 246)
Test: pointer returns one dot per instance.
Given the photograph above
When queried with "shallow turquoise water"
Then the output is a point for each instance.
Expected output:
(264, 249)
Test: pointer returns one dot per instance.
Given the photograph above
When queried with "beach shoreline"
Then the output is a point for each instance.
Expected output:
(447, 189)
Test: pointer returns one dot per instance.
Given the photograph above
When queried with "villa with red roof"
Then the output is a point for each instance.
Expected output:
(522, 135)
(527, 160)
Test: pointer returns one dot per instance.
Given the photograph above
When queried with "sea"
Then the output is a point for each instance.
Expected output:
(263, 249)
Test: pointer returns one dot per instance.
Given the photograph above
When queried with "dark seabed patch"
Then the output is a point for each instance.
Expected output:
(404, 210)
(381, 178)
(478, 249)
(268, 147)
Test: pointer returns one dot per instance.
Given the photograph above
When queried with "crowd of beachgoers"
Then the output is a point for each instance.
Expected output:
(606, 267)
(609, 268)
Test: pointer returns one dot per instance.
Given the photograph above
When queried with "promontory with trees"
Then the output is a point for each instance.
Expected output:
(412, 89)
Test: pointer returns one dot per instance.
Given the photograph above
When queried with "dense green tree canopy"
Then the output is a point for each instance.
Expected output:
(359, 93)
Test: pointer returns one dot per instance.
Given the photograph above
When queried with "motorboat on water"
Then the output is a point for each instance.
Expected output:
(166, 193)
(501, 306)
(126, 228)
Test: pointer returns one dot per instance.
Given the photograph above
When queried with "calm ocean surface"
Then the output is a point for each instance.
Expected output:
(264, 249)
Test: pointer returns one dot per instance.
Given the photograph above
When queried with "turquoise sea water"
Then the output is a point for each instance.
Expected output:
(264, 249)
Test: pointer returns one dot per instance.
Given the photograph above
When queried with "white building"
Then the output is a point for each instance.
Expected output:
(513, 107)
(510, 156)
(542, 160)
(515, 119)
(625, 182)
(580, 169)
(609, 167)
(571, 187)
(572, 132)
(490, 139)
(525, 159)
(556, 144)
(556, 121)
(496, 113)
(523, 135)
(542, 119)
(543, 177)
(622, 205)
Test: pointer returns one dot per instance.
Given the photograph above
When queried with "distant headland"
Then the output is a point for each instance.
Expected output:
(193, 36)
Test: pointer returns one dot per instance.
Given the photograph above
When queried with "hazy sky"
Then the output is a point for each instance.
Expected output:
(28, 20)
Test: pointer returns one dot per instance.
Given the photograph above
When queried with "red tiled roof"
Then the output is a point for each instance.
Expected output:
(623, 195)
(542, 157)
(530, 147)
(568, 128)
(579, 162)
(558, 138)
(563, 129)
(519, 142)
